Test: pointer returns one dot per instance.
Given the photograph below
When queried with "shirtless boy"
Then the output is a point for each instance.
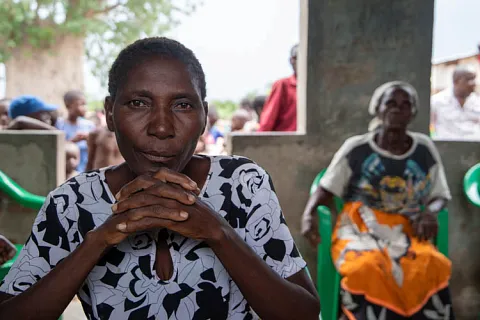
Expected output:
(102, 149)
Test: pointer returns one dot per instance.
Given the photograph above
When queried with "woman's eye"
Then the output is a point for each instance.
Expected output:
(391, 104)
(183, 106)
(137, 104)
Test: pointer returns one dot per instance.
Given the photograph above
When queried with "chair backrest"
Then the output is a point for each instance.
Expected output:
(471, 185)
(328, 279)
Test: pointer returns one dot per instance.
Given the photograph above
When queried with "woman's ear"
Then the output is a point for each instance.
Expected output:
(205, 107)
(108, 106)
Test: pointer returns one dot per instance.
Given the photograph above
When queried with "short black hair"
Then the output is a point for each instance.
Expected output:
(133, 55)
(258, 102)
(246, 102)
(71, 96)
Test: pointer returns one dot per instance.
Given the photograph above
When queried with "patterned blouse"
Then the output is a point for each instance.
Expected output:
(362, 171)
(124, 284)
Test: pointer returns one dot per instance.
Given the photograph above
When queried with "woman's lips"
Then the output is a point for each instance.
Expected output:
(157, 158)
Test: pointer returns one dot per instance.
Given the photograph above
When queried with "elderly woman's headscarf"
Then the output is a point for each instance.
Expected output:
(377, 97)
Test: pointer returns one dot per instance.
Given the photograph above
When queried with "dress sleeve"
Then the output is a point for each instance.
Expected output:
(266, 230)
(47, 245)
(338, 173)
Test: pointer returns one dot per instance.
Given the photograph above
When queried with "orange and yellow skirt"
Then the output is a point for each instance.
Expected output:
(387, 273)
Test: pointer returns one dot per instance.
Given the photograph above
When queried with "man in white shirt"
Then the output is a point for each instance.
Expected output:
(455, 112)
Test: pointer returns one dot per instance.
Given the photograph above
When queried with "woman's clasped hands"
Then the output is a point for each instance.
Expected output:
(165, 199)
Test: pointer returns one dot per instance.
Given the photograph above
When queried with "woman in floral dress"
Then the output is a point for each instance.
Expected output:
(166, 234)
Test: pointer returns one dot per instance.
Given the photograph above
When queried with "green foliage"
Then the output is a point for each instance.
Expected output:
(253, 93)
(107, 25)
(95, 105)
(225, 108)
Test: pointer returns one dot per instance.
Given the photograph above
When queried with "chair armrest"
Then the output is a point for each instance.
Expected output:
(18, 194)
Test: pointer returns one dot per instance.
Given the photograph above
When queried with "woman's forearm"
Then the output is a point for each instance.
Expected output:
(49, 297)
(271, 296)
(320, 197)
(27, 123)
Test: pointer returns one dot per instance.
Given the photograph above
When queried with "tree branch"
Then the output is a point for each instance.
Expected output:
(93, 13)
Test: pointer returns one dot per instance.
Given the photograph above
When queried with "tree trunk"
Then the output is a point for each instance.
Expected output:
(47, 73)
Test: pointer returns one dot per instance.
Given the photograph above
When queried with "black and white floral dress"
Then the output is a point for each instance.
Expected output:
(124, 284)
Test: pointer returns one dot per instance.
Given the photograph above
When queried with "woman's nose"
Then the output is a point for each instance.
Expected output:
(161, 125)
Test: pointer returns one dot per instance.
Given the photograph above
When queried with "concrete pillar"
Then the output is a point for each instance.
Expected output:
(354, 46)
(36, 161)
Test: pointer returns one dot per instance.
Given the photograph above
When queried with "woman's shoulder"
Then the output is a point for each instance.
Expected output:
(421, 137)
(239, 172)
(354, 142)
(423, 140)
(229, 164)
(84, 185)
(426, 146)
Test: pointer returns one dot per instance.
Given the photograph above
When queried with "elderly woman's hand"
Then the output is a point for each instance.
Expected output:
(309, 228)
(166, 200)
(425, 225)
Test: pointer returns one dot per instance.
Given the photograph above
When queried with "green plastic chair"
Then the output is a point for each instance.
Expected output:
(471, 185)
(20, 195)
(24, 198)
(328, 279)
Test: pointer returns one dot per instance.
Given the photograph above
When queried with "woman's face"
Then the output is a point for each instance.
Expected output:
(157, 115)
(396, 109)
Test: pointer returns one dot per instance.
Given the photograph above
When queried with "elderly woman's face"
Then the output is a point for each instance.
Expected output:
(396, 109)
(157, 115)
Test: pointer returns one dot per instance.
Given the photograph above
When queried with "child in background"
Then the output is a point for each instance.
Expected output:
(102, 149)
(75, 126)
(213, 131)
(72, 154)
(4, 118)
(246, 104)
(239, 118)
(30, 113)
(257, 105)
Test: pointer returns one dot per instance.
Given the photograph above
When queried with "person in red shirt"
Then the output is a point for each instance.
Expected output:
(280, 110)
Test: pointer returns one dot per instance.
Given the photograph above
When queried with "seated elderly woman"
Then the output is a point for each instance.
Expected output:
(165, 235)
(393, 184)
